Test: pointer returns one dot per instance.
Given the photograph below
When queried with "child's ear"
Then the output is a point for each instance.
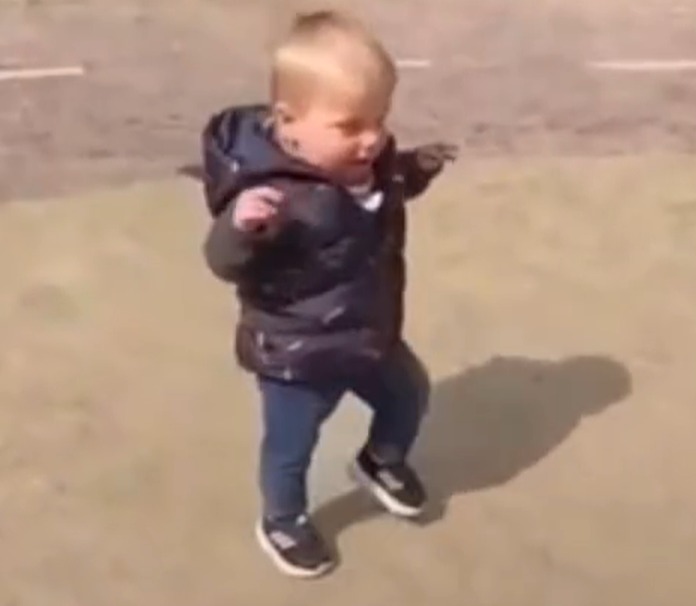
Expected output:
(282, 113)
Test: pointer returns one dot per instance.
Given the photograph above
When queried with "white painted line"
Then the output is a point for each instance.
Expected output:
(40, 73)
(675, 65)
(413, 63)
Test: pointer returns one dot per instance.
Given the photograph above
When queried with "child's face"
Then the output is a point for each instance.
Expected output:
(343, 139)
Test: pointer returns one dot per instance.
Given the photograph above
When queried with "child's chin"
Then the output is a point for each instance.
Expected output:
(357, 175)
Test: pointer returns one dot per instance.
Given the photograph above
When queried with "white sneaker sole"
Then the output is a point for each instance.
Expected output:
(387, 501)
(284, 567)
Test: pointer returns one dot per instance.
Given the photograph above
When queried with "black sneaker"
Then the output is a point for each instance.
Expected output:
(295, 547)
(395, 486)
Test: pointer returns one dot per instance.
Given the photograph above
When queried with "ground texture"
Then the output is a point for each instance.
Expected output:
(553, 273)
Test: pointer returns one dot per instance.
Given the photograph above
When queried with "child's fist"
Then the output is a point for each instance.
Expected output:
(432, 157)
(257, 211)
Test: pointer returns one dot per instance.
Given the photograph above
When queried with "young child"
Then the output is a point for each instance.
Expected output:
(308, 196)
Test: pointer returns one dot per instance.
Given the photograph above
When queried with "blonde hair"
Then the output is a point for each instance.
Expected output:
(331, 53)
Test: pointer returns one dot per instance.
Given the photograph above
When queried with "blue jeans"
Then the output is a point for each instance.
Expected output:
(396, 390)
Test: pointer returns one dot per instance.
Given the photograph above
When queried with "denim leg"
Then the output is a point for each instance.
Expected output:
(397, 391)
(292, 416)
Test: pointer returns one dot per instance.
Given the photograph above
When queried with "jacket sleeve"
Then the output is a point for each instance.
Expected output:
(416, 177)
(228, 251)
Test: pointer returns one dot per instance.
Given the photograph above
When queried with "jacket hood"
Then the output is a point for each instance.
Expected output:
(239, 152)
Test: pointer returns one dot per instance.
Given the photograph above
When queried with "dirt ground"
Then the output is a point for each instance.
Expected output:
(553, 274)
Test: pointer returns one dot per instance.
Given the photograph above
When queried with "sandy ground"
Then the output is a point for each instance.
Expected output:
(553, 274)
(552, 302)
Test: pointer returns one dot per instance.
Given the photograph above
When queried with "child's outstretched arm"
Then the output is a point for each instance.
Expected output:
(422, 164)
(247, 222)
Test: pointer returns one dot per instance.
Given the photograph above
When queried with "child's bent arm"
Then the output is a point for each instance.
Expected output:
(421, 165)
(249, 221)
(228, 251)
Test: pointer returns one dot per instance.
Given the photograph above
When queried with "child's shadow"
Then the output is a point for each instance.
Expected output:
(492, 422)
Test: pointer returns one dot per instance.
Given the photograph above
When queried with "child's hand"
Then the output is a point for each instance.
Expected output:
(431, 158)
(257, 211)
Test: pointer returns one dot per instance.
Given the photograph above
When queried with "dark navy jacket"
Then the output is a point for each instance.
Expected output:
(324, 298)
